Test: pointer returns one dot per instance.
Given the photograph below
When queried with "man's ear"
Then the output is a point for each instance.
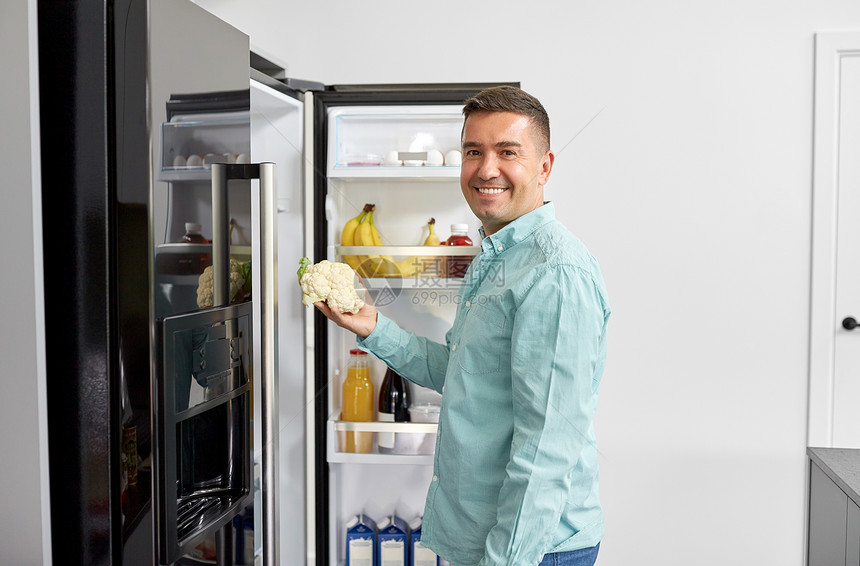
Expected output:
(546, 167)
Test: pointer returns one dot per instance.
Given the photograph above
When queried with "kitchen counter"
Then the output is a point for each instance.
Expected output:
(842, 466)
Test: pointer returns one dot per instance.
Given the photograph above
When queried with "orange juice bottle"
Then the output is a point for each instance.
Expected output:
(358, 401)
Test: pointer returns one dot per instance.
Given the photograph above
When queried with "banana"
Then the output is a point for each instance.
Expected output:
(433, 266)
(370, 264)
(362, 231)
(432, 238)
(347, 237)
(377, 241)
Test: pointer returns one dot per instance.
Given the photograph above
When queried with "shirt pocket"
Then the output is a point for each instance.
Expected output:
(482, 340)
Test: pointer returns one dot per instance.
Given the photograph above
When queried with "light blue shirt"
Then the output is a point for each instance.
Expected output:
(515, 468)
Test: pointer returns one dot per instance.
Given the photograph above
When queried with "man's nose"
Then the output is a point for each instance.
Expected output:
(489, 168)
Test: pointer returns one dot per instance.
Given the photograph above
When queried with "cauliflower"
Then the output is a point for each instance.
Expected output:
(205, 290)
(331, 282)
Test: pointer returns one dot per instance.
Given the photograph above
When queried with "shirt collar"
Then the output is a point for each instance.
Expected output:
(517, 230)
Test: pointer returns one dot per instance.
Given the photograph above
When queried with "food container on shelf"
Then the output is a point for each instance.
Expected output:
(362, 160)
(424, 413)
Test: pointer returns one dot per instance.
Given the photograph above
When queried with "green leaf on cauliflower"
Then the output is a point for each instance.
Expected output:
(304, 264)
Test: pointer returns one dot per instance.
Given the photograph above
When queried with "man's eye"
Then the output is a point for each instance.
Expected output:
(472, 152)
(508, 153)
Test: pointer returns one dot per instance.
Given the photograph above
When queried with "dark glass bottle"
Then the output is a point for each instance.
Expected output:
(394, 401)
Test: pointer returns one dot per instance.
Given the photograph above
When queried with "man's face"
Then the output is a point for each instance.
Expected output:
(504, 167)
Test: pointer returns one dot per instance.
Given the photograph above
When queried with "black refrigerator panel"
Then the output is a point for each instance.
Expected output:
(92, 73)
(107, 71)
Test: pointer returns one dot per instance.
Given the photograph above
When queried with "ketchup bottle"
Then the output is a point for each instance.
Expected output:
(458, 264)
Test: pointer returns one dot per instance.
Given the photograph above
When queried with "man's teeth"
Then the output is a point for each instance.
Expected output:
(490, 191)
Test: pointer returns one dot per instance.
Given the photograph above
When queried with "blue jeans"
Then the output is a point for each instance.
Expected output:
(581, 557)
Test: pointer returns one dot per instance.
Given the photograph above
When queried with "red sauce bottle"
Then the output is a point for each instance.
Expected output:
(192, 234)
(458, 264)
(194, 263)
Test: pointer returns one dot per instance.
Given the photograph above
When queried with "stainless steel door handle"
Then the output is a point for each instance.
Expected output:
(265, 172)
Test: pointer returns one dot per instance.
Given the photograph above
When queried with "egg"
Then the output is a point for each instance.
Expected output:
(435, 158)
(194, 161)
(392, 159)
(453, 158)
(209, 159)
(243, 158)
(228, 158)
(179, 161)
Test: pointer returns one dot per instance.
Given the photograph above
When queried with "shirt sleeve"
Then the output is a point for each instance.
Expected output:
(557, 340)
(414, 357)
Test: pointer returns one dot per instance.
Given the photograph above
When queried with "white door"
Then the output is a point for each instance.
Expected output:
(834, 393)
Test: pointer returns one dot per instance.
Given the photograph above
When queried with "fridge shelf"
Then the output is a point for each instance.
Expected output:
(381, 172)
(386, 459)
(416, 284)
(407, 251)
(378, 426)
(337, 428)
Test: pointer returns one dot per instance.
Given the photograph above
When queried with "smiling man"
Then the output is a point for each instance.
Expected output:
(515, 469)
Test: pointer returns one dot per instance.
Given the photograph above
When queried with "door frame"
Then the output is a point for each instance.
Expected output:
(830, 49)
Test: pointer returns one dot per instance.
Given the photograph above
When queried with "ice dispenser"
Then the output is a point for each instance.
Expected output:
(204, 425)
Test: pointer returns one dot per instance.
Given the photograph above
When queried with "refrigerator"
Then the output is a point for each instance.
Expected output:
(395, 147)
(163, 412)
(187, 434)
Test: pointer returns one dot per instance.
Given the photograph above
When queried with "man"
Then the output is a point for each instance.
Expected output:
(515, 471)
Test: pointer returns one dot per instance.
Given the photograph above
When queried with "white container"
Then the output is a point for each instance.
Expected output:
(424, 413)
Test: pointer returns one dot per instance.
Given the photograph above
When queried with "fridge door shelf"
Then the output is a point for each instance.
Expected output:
(209, 138)
(240, 253)
(180, 174)
(338, 428)
(182, 264)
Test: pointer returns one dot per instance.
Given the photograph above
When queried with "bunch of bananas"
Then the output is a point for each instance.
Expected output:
(361, 231)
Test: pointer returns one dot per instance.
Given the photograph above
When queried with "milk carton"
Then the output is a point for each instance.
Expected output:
(393, 542)
(418, 554)
(361, 541)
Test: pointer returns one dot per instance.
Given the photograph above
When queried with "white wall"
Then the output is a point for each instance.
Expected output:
(692, 187)
(25, 528)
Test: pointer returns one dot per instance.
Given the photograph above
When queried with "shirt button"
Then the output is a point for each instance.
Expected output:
(468, 304)
(443, 389)
(435, 478)
(500, 248)
(454, 348)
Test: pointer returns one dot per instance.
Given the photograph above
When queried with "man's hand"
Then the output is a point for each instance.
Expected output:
(362, 323)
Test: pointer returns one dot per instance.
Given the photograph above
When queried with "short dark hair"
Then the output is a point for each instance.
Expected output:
(510, 99)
